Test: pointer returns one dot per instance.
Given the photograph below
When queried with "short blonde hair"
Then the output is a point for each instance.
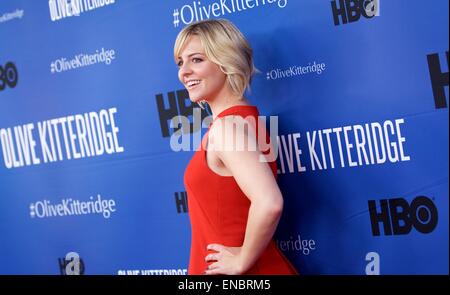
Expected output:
(225, 46)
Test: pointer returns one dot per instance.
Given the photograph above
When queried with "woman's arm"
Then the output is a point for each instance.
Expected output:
(256, 180)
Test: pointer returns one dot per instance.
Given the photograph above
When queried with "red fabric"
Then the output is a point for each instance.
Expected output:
(218, 211)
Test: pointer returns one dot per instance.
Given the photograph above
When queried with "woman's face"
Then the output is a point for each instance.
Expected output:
(202, 78)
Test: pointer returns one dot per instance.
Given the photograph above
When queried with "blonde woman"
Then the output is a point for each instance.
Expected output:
(233, 198)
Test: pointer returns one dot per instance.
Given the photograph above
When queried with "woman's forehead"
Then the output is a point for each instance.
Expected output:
(192, 45)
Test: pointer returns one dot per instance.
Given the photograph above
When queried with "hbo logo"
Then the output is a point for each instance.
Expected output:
(398, 217)
(8, 76)
(351, 10)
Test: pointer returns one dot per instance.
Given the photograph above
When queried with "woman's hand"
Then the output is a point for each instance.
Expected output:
(227, 260)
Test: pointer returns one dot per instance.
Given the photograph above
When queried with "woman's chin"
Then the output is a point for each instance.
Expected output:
(195, 99)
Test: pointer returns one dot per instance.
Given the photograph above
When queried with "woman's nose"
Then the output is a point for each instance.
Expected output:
(185, 69)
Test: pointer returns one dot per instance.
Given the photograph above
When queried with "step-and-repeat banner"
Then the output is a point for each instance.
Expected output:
(91, 168)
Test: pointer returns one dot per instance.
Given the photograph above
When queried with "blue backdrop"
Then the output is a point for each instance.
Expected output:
(88, 88)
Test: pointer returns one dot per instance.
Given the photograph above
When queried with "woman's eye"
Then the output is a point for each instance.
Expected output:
(194, 60)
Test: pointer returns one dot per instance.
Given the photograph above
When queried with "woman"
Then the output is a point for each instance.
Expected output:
(233, 197)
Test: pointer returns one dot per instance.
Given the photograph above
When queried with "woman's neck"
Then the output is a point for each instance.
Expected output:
(218, 105)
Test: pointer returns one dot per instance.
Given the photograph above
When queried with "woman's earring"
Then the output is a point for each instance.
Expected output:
(202, 104)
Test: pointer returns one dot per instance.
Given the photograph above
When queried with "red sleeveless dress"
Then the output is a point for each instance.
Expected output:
(218, 211)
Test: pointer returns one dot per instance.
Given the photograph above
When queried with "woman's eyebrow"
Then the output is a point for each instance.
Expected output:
(191, 54)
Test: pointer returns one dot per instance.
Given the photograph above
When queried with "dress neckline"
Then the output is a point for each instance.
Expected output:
(232, 108)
